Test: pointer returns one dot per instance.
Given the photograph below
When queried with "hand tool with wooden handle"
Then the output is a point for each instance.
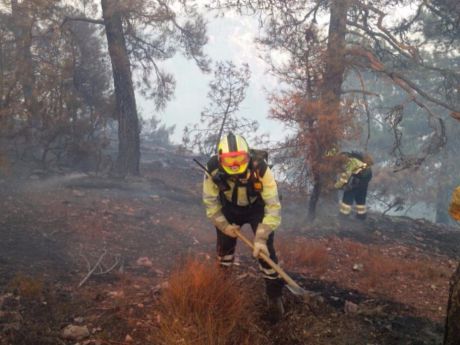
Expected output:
(290, 283)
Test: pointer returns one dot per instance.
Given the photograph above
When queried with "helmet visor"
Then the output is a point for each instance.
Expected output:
(234, 159)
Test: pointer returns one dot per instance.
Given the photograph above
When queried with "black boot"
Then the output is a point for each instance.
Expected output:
(361, 216)
(343, 217)
(345, 220)
(275, 309)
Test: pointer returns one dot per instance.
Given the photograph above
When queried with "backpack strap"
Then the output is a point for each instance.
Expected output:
(258, 167)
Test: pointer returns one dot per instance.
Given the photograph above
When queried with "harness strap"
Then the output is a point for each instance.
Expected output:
(235, 192)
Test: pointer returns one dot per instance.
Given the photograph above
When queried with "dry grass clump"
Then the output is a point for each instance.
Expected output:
(303, 253)
(352, 248)
(203, 306)
(378, 269)
(382, 269)
(387, 273)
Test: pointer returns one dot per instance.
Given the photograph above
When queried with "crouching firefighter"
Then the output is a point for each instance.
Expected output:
(354, 181)
(240, 189)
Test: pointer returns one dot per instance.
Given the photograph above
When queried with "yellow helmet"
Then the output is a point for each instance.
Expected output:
(233, 152)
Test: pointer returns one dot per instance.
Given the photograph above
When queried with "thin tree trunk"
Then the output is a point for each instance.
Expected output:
(22, 31)
(316, 192)
(443, 192)
(128, 123)
(335, 58)
(2, 83)
(221, 129)
(442, 205)
(452, 327)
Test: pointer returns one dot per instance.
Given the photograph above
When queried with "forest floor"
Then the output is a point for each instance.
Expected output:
(383, 281)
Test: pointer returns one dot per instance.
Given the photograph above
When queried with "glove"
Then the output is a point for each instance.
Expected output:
(230, 230)
(260, 240)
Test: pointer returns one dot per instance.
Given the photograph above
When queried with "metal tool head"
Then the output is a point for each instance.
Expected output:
(299, 291)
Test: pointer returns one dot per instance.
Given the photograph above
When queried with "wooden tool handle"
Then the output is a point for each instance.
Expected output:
(269, 261)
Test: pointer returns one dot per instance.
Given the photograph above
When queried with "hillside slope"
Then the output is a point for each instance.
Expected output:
(383, 281)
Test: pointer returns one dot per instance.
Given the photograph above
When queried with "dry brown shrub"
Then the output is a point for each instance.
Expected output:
(381, 265)
(354, 249)
(204, 306)
(302, 253)
(383, 271)
(379, 268)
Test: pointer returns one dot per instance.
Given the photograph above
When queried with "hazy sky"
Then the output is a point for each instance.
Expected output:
(230, 38)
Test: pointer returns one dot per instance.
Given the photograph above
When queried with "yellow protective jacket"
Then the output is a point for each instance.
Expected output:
(454, 207)
(353, 166)
(245, 195)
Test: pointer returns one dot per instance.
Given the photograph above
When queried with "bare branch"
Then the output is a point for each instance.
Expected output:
(407, 85)
(96, 265)
(364, 92)
(111, 268)
(82, 19)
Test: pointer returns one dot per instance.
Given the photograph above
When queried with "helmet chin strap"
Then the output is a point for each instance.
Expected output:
(242, 174)
(235, 168)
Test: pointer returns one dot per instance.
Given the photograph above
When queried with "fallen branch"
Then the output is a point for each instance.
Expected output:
(98, 262)
(111, 268)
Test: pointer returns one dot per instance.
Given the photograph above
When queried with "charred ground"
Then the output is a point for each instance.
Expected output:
(383, 281)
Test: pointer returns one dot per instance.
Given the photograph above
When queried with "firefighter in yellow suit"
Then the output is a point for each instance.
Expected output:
(354, 181)
(242, 190)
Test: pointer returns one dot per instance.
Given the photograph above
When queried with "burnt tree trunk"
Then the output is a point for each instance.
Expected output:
(331, 88)
(335, 57)
(442, 204)
(22, 30)
(443, 191)
(314, 196)
(452, 327)
(128, 123)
